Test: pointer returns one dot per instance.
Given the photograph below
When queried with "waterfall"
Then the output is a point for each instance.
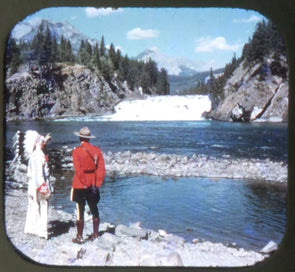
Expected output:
(162, 108)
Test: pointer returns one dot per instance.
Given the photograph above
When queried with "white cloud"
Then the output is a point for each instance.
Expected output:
(97, 12)
(251, 19)
(208, 44)
(139, 34)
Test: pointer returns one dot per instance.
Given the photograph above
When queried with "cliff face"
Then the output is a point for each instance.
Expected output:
(254, 93)
(60, 91)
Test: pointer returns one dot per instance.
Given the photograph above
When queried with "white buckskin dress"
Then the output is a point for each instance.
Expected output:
(37, 213)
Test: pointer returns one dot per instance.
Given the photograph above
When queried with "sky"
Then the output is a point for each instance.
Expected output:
(207, 36)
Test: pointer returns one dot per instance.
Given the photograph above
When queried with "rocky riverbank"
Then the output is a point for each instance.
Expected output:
(140, 163)
(117, 245)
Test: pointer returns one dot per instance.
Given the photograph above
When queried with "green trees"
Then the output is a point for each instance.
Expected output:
(163, 82)
(46, 49)
(85, 52)
(265, 40)
(216, 86)
(96, 57)
(13, 58)
(42, 45)
(64, 52)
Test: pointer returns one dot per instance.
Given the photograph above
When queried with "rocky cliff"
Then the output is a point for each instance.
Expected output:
(62, 90)
(254, 93)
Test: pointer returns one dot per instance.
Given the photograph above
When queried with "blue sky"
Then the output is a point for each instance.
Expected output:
(207, 36)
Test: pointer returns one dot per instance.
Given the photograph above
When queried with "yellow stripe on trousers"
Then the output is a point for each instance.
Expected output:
(77, 205)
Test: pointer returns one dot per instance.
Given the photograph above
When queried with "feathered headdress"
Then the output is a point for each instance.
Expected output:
(25, 143)
(33, 140)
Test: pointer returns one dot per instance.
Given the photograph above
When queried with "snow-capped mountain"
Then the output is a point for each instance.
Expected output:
(173, 66)
(25, 31)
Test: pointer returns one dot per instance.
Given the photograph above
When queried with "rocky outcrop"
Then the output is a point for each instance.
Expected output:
(253, 93)
(61, 91)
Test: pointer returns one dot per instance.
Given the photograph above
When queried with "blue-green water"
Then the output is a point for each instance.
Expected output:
(223, 210)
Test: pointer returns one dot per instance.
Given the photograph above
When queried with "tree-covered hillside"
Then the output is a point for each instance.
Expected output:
(45, 50)
(266, 42)
(255, 86)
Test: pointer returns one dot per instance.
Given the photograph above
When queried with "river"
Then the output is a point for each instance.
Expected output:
(244, 212)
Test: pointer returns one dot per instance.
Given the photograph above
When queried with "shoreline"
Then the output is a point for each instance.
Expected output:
(117, 246)
(154, 164)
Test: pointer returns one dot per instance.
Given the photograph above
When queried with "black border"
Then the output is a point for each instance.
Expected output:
(281, 12)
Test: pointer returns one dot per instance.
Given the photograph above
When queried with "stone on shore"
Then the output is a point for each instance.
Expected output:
(140, 163)
(116, 246)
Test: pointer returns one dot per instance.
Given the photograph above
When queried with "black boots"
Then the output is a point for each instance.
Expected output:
(79, 237)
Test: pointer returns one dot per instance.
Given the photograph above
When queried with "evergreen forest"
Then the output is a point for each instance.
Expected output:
(44, 49)
(265, 42)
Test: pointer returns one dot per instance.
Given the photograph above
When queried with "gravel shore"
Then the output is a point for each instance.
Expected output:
(117, 245)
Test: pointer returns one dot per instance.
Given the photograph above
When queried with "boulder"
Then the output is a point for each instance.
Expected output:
(248, 97)
(269, 247)
(122, 230)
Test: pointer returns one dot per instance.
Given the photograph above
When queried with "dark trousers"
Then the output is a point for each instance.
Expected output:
(81, 196)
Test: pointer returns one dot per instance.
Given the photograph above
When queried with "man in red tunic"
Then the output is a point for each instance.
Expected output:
(89, 174)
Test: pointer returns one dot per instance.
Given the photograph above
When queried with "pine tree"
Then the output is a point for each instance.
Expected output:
(54, 51)
(113, 56)
(88, 49)
(211, 78)
(152, 70)
(118, 60)
(85, 52)
(42, 44)
(145, 82)
(46, 47)
(107, 68)
(69, 52)
(95, 57)
(102, 49)
(266, 39)
(163, 82)
(125, 68)
(13, 56)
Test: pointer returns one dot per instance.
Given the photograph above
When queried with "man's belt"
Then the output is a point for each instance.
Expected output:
(89, 170)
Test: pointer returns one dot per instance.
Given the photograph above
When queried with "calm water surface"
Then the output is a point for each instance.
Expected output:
(223, 210)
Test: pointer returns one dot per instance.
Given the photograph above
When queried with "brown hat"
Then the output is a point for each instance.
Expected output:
(84, 133)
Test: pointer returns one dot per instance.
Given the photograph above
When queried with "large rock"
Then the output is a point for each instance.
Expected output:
(61, 91)
(251, 96)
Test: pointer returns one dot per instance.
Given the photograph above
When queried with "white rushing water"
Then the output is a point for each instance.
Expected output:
(156, 108)
(162, 108)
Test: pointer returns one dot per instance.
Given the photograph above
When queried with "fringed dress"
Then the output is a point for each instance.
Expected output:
(37, 213)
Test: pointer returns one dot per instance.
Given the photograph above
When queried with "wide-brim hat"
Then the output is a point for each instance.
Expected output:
(84, 133)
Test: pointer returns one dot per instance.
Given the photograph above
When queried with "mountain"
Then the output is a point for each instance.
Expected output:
(173, 66)
(183, 74)
(180, 83)
(26, 31)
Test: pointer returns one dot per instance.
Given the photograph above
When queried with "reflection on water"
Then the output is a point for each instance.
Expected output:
(207, 138)
(228, 211)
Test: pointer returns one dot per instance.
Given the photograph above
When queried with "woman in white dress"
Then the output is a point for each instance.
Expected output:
(38, 184)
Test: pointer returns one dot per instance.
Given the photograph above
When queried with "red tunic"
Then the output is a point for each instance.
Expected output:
(85, 172)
